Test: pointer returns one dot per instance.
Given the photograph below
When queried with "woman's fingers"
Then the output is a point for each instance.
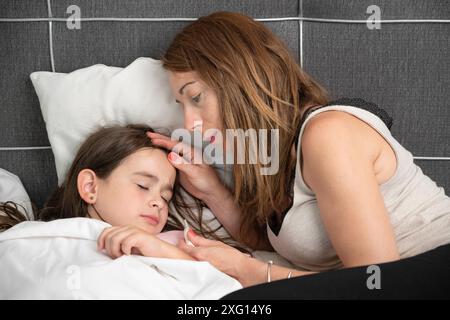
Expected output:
(165, 143)
(157, 135)
(162, 140)
(180, 163)
(199, 241)
(189, 153)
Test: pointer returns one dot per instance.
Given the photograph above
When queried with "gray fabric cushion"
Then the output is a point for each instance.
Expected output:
(177, 8)
(356, 9)
(23, 9)
(404, 68)
(94, 44)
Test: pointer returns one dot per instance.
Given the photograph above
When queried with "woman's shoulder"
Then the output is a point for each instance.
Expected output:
(334, 142)
(333, 130)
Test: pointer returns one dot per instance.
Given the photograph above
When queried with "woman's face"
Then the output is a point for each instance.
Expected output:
(137, 192)
(199, 103)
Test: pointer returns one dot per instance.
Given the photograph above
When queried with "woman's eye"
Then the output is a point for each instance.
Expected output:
(142, 187)
(196, 99)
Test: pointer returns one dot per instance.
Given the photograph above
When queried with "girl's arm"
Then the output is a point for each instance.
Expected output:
(126, 240)
(167, 250)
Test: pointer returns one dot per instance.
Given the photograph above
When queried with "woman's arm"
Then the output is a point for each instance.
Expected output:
(247, 270)
(339, 153)
(220, 202)
(255, 272)
(229, 215)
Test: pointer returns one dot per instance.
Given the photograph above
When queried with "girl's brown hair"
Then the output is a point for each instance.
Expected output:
(102, 152)
(259, 85)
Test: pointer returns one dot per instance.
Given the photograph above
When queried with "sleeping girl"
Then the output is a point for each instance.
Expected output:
(118, 176)
(114, 203)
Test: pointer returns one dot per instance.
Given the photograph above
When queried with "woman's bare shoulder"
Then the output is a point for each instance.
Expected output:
(333, 140)
(340, 130)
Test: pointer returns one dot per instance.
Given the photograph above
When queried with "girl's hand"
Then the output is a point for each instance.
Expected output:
(225, 258)
(126, 240)
(200, 180)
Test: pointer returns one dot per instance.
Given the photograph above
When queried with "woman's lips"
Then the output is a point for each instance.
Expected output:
(153, 220)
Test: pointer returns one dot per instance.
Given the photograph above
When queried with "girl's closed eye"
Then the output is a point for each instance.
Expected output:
(167, 200)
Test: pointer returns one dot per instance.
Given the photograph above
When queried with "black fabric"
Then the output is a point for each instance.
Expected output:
(366, 105)
(353, 102)
(425, 276)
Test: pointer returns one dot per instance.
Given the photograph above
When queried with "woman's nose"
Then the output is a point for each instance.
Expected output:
(190, 119)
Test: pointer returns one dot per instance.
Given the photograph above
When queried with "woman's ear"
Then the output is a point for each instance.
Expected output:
(87, 184)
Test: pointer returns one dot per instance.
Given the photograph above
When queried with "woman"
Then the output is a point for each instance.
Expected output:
(346, 194)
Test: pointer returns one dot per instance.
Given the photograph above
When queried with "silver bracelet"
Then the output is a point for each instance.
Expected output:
(269, 266)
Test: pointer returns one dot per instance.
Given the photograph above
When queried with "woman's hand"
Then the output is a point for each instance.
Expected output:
(126, 240)
(199, 179)
(241, 266)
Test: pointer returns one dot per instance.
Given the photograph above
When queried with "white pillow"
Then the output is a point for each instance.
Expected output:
(12, 189)
(75, 104)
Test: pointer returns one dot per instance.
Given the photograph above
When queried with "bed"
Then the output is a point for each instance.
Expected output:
(403, 66)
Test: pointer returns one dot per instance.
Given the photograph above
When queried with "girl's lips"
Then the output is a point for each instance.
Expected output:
(151, 219)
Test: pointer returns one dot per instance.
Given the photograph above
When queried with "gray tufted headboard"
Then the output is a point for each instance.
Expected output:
(404, 66)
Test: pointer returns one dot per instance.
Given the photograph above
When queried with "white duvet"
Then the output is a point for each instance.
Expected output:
(60, 260)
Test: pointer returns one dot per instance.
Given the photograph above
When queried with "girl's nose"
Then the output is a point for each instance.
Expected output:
(155, 204)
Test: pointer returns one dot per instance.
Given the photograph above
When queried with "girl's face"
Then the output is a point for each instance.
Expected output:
(137, 192)
(199, 102)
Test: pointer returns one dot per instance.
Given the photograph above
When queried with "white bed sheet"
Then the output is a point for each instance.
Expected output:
(59, 260)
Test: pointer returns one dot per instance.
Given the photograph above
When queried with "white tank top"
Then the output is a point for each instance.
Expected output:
(419, 210)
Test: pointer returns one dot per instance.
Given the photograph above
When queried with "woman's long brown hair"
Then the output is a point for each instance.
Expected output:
(259, 85)
(102, 152)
